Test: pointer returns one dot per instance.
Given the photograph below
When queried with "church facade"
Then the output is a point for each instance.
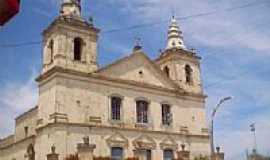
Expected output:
(134, 107)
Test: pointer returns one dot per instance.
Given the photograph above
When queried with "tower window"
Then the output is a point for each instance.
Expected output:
(167, 71)
(188, 71)
(78, 42)
(51, 50)
(142, 111)
(116, 108)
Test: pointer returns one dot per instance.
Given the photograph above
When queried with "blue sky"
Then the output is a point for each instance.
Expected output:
(234, 46)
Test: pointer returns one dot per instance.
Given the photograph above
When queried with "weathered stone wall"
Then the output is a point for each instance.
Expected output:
(66, 137)
(29, 120)
(16, 150)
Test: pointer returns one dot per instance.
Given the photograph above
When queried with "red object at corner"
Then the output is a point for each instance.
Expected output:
(8, 9)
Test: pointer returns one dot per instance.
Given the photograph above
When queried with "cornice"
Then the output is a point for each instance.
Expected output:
(62, 21)
(167, 133)
(172, 54)
(20, 141)
(116, 82)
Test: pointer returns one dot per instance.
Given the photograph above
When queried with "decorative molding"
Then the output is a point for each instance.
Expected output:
(59, 117)
(144, 142)
(203, 136)
(117, 140)
(169, 143)
(116, 82)
(95, 120)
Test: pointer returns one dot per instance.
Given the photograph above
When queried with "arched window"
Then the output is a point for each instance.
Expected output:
(188, 71)
(78, 42)
(167, 71)
(51, 49)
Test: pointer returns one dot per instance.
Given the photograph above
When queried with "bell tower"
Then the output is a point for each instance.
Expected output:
(70, 42)
(178, 63)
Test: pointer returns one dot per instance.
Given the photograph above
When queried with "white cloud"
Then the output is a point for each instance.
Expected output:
(222, 29)
(16, 98)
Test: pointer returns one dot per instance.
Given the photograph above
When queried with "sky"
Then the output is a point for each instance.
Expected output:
(232, 39)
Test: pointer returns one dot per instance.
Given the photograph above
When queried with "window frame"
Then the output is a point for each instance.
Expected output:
(118, 117)
(165, 119)
(117, 157)
(142, 117)
(110, 108)
(170, 150)
(78, 49)
(188, 74)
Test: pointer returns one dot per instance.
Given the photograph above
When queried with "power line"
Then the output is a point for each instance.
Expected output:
(187, 17)
(15, 45)
(148, 24)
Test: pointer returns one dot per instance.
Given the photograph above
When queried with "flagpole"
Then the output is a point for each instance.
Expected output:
(255, 140)
(253, 129)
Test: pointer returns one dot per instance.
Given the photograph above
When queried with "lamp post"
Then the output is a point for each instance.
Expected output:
(212, 122)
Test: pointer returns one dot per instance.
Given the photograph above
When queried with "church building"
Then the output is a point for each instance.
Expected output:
(134, 107)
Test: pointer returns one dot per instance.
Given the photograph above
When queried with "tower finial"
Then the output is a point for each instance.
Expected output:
(138, 45)
(71, 8)
(175, 37)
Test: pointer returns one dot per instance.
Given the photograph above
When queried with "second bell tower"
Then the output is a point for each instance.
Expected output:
(70, 42)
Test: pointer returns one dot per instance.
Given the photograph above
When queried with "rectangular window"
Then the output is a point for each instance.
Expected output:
(116, 108)
(142, 111)
(168, 155)
(166, 114)
(117, 153)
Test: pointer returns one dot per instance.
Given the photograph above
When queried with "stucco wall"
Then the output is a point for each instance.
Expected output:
(28, 120)
(81, 99)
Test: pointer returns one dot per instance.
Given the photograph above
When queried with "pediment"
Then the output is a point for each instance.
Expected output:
(168, 143)
(117, 140)
(144, 142)
(138, 67)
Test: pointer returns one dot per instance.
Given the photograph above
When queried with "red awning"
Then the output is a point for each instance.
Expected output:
(8, 9)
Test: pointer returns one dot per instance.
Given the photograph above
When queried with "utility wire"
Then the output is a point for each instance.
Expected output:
(187, 17)
(148, 24)
(20, 44)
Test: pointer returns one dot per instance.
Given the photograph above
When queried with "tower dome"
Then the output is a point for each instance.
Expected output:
(175, 36)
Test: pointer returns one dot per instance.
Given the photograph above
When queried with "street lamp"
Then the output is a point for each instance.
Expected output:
(212, 122)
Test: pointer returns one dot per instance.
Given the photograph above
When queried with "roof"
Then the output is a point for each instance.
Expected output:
(136, 54)
(26, 113)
